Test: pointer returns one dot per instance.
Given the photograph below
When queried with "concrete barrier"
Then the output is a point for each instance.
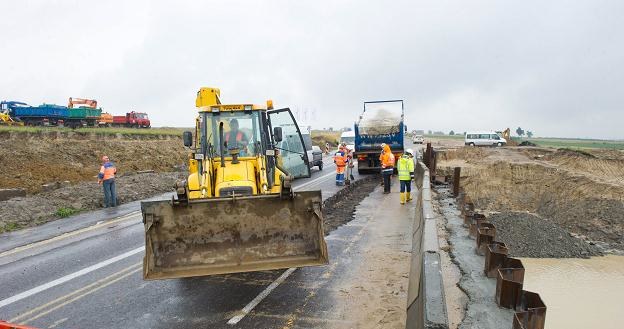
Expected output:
(426, 304)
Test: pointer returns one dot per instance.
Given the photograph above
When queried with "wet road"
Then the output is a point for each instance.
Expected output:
(85, 272)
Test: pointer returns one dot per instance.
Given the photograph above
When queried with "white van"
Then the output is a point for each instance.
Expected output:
(348, 137)
(484, 138)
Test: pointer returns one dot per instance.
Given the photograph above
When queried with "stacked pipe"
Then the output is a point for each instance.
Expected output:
(508, 271)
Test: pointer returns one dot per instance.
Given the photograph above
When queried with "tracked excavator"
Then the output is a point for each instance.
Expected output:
(236, 211)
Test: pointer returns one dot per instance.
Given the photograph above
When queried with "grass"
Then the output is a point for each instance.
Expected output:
(11, 226)
(166, 131)
(63, 212)
(320, 137)
(569, 143)
(578, 143)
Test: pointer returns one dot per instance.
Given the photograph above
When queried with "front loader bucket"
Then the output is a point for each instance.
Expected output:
(229, 235)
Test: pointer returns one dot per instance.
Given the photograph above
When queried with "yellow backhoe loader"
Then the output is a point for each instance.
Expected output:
(236, 212)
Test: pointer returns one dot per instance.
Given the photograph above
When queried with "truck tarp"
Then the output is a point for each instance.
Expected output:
(381, 118)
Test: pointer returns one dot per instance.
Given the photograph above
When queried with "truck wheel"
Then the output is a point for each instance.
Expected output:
(320, 166)
(500, 144)
(471, 144)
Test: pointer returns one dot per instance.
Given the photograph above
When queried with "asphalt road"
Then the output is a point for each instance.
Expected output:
(85, 272)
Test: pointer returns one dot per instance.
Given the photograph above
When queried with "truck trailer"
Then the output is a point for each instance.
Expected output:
(380, 122)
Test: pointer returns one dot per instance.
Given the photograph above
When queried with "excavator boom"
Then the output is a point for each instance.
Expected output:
(92, 103)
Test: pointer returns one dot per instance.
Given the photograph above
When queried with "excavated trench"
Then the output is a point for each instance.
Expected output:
(340, 208)
(546, 206)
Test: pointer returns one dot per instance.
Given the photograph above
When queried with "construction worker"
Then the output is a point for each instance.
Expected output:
(387, 167)
(349, 168)
(340, 159)
(383, 145)
(106, 178)
(236, 138)
(405, 167)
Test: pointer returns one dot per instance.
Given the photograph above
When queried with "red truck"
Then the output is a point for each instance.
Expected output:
(132, 120)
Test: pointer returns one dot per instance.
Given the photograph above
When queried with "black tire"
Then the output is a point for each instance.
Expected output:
(320, 165)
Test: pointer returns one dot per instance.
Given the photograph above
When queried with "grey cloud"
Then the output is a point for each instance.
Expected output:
(549, 67)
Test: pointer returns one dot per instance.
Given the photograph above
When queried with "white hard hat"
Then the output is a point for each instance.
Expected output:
(383, 145)
(409, 151)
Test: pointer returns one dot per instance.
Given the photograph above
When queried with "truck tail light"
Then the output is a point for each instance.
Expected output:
(362, 157)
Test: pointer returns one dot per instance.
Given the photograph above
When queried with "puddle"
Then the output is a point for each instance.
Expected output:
(579, 293)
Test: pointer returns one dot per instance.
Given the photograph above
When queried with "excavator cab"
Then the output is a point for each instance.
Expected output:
(236, 211)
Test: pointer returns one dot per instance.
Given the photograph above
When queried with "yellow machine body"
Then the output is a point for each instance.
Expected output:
(236, 211)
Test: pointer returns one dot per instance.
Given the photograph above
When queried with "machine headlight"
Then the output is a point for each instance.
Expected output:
(214, 109)
(248, 108)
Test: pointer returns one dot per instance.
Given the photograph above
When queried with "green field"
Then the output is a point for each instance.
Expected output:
(571, 143)
(165, 131)
(578, 143)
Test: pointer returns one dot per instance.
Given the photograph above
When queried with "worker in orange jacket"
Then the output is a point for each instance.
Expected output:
(387, 167)
(340, 159)
(106, 178)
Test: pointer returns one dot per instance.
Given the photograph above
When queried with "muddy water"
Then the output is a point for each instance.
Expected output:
(579, 293)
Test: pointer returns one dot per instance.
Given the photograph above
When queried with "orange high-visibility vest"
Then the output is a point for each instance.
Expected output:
(387, 160)
(239, 136)
(107, 171)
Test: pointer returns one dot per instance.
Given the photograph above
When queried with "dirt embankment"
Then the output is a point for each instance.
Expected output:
(581, 192)
(29, 160)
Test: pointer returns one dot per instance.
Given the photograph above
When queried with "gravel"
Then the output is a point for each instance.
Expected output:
(528, 235)
(42, 207)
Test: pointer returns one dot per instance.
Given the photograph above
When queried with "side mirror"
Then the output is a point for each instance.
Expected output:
(277, 134)
(405, 128)
(187, 136)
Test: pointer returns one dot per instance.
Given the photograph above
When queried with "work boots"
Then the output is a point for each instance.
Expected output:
(409, 196)
(402, 197)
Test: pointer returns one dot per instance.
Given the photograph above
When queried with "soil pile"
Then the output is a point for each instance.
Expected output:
(29, 160)
(37, 209)
(528, 235)
(339, 209)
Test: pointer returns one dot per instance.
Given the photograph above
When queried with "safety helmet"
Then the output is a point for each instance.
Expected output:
(410, 152)
(383, 145)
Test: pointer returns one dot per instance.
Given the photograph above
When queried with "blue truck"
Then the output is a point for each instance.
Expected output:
(380, 122)
(52, 115)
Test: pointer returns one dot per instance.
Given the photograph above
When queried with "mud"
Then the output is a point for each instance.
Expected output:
(340, 208)
(481, 310)
(581, 192)
(528, 235)
(38, 209)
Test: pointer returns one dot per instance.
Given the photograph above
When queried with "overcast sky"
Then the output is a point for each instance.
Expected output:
(553, 67)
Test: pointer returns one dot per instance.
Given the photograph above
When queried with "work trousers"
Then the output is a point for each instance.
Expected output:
(110, 195)
(406, 185)
(387, 174)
